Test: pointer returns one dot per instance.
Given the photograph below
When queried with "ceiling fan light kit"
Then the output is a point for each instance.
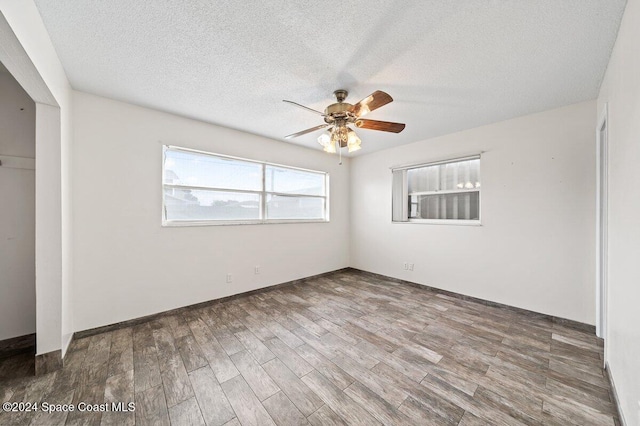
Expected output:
(339, 138)
(340, 115)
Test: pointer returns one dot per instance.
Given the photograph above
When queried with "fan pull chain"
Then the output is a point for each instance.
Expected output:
(340, 153)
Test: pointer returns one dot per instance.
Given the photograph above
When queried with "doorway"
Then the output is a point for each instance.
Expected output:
(17, 226)
(53, 326)
(602, 224)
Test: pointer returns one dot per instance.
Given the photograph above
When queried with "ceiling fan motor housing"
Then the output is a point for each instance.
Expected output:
(340, 112)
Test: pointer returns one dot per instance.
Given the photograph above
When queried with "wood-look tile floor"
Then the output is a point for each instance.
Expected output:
(340, 349)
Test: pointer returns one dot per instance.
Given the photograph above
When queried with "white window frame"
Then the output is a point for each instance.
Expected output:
(262, 193)
(406, 195)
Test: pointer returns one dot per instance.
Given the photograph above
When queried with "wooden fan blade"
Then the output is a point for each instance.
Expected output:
(385, 126)
(371, 102)
(304, 132)
(302, 106)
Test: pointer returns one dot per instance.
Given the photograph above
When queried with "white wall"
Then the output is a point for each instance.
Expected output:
(128, 266)
(26, 50)
(535, 248)
(18, 137)
(17, 218)
(621, 91)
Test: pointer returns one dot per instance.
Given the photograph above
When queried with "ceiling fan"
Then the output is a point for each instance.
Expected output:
(338, 116)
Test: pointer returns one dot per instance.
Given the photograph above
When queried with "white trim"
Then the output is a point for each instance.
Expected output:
(66, 341)
(241, 191)
(446, 191)
(614, 392)
(263, 199)
(289, 194)
(163, 206)
(211, 188)
(327, 207)
(11, 162)
(438, 161)
(180, 223)
(601, 234)
(463, 222)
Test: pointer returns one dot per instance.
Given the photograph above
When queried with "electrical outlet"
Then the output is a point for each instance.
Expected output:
(411, 266)
(229, 278)
(256, 270)
(406, 266)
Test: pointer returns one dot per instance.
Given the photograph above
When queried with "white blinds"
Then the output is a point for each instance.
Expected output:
(399, 201)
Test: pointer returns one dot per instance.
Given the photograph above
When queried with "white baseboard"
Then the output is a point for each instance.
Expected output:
(614, 394)
(66, 341)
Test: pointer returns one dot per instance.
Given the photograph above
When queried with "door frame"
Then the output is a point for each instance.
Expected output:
(50, 252)
(602, 216)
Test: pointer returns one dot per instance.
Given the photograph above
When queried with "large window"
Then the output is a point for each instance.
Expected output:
(441, 192)
(204, 188)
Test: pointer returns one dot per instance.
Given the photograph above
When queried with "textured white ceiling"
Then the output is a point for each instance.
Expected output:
(449, 65)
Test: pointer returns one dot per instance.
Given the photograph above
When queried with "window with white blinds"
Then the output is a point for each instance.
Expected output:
(442, 192)
(206, 188)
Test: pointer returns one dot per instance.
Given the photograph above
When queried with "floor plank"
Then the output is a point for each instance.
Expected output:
(219, 361)
(244, 402)
(211, 399)
(289, 357)
(151, 407)
(283, 411)
(119, 390)
(325, 416)
(299, 393)
(338, 401)
(186, 413)
(259, 351)
(145, 359)
(192, 355)
(259, 381)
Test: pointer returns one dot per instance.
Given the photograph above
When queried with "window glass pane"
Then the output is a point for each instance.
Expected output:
(443, 177)
(462, 175)
(192, 204)
(194, 169)
(208, 187)
(462, 206)
(279, 207)
(291, 181)
(424, 179)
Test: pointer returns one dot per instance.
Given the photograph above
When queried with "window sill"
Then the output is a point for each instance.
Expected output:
(443, 222)
(179, 224)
